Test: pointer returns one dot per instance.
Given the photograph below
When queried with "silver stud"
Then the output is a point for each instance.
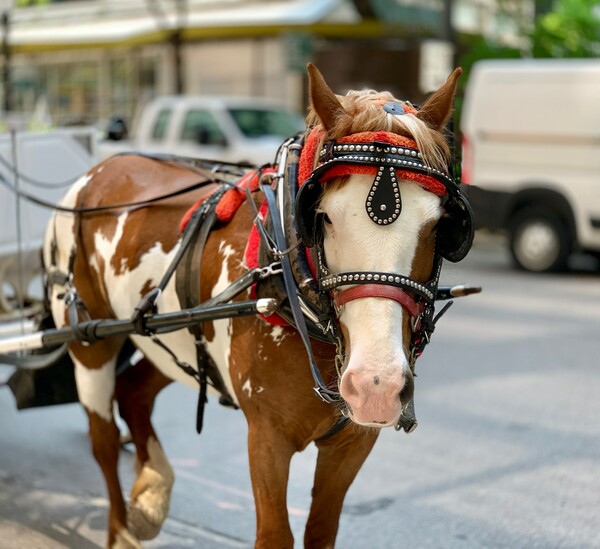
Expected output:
(376, 277)
(382, 207)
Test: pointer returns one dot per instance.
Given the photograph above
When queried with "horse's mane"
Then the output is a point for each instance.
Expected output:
(365, 113)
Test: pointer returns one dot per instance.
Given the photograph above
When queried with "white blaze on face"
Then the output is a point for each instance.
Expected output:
(374, 373)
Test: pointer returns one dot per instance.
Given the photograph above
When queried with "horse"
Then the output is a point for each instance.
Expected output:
(372, 213)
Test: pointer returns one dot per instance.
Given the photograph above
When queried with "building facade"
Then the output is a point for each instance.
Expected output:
(82, 61)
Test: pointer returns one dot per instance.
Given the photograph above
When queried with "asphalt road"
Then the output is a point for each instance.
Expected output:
(506, 455)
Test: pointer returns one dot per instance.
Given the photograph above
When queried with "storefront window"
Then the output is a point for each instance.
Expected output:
(84, 92)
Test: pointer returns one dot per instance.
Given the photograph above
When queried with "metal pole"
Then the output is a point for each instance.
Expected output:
(20, 290)
(157, 324)
(7, 103)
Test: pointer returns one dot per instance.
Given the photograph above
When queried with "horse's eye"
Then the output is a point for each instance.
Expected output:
(327, 219)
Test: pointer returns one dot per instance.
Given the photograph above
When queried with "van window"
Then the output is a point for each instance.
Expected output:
(160, 126)
(197, 120)
(262, 122)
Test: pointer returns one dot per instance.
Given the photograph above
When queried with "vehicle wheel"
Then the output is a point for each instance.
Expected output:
(539, 241)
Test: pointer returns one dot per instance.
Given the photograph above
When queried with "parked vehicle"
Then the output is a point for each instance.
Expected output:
(229, 129)
(45, 164)
(531, 150)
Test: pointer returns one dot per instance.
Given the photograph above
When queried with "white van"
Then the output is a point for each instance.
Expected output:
(531, 151)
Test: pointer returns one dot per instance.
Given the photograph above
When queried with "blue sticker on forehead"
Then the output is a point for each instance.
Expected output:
(393, 107)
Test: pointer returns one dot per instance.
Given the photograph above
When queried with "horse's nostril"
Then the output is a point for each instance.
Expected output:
(348, 384)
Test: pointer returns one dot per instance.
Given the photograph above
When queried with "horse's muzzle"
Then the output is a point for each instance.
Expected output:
(376, 400)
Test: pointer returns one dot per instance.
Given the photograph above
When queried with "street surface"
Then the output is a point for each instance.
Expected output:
(506, 455)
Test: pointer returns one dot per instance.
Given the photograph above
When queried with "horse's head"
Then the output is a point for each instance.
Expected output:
(381, 211)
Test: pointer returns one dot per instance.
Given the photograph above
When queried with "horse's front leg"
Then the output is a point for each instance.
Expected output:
(95, 377)
(270, 453)
(340, 458)
(136, 390)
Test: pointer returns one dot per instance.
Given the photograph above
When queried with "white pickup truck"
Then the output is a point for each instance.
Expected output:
(225, 128)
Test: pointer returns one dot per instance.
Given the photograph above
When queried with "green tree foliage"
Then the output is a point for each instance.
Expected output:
(25, 3)
(572, 29)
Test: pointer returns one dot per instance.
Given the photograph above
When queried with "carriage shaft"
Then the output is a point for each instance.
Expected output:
(92, 330)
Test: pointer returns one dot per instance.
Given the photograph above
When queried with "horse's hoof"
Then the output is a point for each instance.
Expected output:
(142, 526)
(125, 540)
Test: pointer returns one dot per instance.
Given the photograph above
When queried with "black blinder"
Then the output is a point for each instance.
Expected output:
(455, 230)
(307, 201)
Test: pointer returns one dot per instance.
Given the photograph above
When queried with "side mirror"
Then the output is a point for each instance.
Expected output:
(205, 137)
(116, 129)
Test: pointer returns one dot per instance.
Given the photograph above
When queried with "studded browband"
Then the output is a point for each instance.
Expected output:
(380, 154)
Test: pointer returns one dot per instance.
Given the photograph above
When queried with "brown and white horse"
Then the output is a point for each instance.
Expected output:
(122, 254)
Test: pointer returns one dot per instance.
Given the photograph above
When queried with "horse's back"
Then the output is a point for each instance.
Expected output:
(119, 253)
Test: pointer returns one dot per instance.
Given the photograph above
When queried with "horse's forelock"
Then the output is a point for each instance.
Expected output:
(366, 114)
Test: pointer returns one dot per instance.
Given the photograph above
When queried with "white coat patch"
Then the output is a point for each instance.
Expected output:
(247, 387)
(220, 347)
(278, 334)
(96, 387)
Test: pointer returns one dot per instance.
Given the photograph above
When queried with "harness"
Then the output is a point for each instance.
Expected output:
(291, 264)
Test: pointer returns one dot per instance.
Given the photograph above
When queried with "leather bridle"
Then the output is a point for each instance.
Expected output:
(417, 298)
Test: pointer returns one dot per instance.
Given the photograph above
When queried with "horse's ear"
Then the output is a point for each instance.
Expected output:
(324, 102)
(436, 110)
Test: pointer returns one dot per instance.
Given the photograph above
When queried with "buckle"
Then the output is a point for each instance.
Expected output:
(326, 395)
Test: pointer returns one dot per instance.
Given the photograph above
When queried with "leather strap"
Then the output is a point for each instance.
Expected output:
(378, 290)
(326, 394)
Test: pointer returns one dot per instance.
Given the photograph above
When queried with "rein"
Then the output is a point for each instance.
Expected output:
(127, 205)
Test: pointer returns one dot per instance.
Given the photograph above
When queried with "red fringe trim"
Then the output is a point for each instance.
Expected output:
(309, 153)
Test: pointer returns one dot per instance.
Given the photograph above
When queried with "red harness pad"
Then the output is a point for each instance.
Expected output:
(225, 210)
(231, 200)
(251, 261)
